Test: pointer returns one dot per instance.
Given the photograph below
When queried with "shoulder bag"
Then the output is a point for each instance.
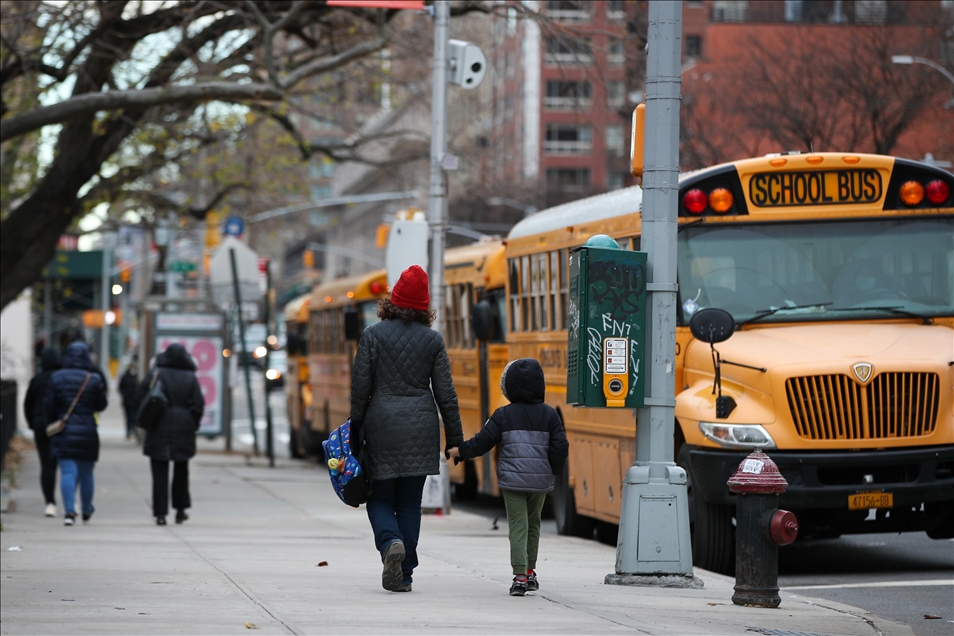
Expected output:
(55, 428)
(153, 405)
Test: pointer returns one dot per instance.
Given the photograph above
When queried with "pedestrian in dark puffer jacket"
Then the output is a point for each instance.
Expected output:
(533, 448)
(173, 437)
(400, 379)
(50, 361)
(76, 447)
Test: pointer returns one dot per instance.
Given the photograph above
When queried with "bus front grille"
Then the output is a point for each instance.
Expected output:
(835, 407)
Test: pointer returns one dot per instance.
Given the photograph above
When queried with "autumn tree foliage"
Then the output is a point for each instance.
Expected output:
(98, 97)
(815, 88)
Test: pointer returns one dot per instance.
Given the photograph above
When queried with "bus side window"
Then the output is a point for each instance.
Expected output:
(564, 285)
(514, 295)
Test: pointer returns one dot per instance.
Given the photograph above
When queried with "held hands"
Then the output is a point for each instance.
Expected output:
(453, 453)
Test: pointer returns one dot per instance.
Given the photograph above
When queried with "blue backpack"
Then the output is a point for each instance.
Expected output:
(348, 478)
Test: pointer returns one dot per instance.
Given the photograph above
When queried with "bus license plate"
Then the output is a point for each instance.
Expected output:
(866, 500)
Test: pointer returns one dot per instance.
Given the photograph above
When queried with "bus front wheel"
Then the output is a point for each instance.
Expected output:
(711, 529)
(568, 522)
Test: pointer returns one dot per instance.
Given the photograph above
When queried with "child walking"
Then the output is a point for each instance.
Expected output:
(533, 448)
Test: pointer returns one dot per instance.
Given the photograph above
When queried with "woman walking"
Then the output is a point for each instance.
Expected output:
(173, 437)
(75, 392)
(400, 371)
(33, 405)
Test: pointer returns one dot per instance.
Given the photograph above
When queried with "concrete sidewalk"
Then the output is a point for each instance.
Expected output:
(274, 550)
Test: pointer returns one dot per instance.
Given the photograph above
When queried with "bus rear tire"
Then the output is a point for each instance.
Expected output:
(568, 522)
(711, 529)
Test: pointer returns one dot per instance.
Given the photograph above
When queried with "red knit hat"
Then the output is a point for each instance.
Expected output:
(411, 291)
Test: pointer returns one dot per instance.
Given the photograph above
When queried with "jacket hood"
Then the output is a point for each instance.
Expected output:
(77, 357)
(50, 359)
(176, 357)
(522, 382)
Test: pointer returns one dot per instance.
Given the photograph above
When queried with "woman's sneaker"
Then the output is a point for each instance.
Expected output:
(88, 515)
(50, 510)
(532, 584)
(69, 518)
(519, 586)
(392, 578)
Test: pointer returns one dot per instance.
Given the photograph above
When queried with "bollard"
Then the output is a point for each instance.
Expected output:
(760, 528)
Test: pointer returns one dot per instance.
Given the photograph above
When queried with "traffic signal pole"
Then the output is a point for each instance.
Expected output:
(654, 546)
(437, 204)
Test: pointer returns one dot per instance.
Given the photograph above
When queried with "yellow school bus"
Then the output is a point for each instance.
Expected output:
(297, 391)
(339, 311)
(475, 336)
(838, 270)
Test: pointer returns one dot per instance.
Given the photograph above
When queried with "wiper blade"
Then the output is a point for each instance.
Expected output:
(765, 313)
(894, 310)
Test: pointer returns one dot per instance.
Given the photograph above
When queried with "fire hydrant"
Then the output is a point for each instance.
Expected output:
(760, 528)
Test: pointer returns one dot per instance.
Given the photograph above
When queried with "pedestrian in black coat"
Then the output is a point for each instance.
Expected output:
(401, 378)
(173, 438)
(33, 406)
(128, 385)
(76, 448)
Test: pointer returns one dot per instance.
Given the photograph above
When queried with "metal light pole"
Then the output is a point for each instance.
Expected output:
(911, 59)
(654, 546)
(107, 295)
(437, 217)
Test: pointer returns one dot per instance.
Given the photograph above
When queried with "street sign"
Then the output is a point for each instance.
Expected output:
(246, 264)
(182, 266)
(234, 226)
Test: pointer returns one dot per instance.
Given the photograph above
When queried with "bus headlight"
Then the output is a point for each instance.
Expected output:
(737, 435)
(273, 374)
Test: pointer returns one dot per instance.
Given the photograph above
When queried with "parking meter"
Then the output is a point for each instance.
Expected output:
(606, 325)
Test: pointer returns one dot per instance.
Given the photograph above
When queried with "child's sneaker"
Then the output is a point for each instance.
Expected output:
(519, 586)
(532, 584)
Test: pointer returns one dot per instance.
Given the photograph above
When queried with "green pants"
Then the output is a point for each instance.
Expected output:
(523, 517)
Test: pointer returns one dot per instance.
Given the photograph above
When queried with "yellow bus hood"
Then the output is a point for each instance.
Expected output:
(859, 351)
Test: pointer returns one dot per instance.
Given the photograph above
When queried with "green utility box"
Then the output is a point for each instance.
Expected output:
(607, 325)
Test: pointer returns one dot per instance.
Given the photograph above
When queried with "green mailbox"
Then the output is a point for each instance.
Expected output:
(607, 325)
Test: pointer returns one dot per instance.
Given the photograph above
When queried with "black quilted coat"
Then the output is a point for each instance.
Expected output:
(400, 370)
(173, 438)
(80, 439)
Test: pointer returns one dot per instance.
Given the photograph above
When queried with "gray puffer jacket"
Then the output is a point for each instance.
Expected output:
(533, 444)
(400, 370)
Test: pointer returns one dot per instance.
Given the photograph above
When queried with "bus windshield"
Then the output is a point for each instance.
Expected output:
(807, 271)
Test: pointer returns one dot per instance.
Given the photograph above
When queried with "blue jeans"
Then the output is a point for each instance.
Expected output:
(72, 470)
(394, 510)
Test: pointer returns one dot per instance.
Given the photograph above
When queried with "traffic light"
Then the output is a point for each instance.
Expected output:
(637, 150)
(308, 259)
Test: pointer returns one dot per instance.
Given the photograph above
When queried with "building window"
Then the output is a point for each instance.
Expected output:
(615, 141)
(615, 56)
(615, 94)
(561, 50)
(567, 139)
(568, 10)
(693, 46)
(568, 179)
(510, 63)
(568, 95)
(871, 11)
(615, 10)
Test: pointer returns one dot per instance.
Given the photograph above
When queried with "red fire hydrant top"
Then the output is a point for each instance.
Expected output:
(757, 474)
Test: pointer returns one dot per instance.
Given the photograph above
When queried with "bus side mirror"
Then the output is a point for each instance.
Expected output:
(715, 325)
(712, 325)
(352, 325)
(482, 320)
(291, 343)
